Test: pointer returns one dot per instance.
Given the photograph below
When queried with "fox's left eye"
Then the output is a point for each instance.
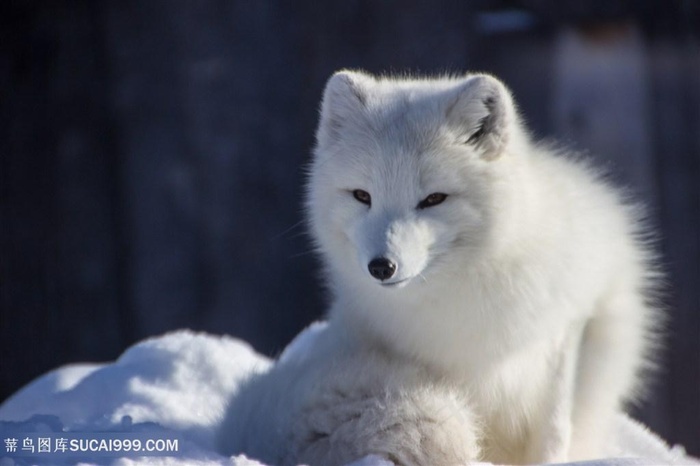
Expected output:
(432, 200)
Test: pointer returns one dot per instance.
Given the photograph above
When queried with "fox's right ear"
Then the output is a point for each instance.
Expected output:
(344, 99)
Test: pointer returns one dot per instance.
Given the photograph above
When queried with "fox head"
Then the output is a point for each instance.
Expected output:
(405, 175)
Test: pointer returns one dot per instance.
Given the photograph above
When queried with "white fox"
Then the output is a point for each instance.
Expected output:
(491, 297)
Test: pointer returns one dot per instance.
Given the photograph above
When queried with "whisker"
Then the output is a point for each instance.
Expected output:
(288, 229)
(303, 253)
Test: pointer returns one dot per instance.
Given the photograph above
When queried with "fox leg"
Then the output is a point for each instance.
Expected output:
(550, 437)
(611, 355)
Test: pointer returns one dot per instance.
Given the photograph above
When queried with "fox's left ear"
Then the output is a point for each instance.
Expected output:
(483, 114)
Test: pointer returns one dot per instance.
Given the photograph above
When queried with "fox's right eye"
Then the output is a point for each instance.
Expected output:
(362, 196)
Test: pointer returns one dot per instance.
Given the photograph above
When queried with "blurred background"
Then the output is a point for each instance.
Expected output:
(153, 156)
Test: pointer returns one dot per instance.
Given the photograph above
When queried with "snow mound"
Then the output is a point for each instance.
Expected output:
(178, 386)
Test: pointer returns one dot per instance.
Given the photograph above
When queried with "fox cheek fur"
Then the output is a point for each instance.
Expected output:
(418, 242)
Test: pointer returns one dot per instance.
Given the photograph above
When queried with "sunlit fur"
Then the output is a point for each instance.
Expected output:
(521, 318)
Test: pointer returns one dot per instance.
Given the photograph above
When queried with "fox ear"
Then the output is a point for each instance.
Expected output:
(482, 114)
(344, 99)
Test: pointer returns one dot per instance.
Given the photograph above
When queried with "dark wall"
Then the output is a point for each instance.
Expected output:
(153, 156)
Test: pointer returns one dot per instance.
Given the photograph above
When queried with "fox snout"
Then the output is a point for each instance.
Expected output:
(381, 268)
(393, 251)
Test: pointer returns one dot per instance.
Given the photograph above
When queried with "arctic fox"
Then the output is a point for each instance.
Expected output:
(490, 296)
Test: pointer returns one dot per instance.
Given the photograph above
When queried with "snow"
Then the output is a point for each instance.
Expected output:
(178, 385)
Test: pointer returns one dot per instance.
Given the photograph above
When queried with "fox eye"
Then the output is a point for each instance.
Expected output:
(362, 196)
(432, 200)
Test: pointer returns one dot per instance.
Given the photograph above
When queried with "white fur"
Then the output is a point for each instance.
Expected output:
(519, 317)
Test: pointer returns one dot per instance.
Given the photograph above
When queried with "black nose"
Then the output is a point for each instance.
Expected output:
(381, 268)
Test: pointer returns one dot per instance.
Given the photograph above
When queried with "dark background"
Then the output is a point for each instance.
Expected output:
(153, 154)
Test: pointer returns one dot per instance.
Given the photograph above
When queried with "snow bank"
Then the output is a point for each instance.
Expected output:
(177, 386)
